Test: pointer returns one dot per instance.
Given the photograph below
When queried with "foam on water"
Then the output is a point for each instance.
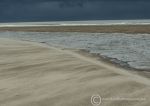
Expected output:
(124, 49)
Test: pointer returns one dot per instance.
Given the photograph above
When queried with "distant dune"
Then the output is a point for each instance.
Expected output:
(32, 74)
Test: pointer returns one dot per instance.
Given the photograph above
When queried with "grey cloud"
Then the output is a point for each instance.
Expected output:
(49, 10)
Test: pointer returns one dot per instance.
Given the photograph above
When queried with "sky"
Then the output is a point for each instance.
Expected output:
(71, 10)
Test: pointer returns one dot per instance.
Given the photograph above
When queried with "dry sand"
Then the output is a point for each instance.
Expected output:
(32, 74)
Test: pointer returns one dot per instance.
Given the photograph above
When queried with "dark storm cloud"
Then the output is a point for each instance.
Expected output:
(49, 10)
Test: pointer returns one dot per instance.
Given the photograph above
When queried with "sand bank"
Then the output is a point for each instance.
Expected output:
(32, 74)
(89, 28)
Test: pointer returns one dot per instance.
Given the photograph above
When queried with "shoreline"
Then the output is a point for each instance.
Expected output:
(100, 58)
(107, 60)
(129, 29)
(104, 59)
(112, 61)
(97, 57)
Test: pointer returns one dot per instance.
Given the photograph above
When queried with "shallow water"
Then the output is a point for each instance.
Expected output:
(125, 49)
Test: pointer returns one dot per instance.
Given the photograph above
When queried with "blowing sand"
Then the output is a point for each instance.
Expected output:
(32, 74)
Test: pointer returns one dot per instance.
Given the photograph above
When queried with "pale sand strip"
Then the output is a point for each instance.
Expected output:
(89, 28)
(32, 74)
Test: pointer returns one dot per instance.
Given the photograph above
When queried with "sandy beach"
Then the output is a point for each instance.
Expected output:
(33, 74)
(74, 53)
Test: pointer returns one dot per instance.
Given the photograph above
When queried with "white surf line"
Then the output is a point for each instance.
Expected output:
(73, 24)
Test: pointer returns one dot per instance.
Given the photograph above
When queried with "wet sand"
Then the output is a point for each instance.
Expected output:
(91, 28)
(33, 74)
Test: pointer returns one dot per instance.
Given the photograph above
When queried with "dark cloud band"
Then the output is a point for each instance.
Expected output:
(49, 10)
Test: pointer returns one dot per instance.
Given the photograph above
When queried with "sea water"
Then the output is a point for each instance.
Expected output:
(124, 49)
